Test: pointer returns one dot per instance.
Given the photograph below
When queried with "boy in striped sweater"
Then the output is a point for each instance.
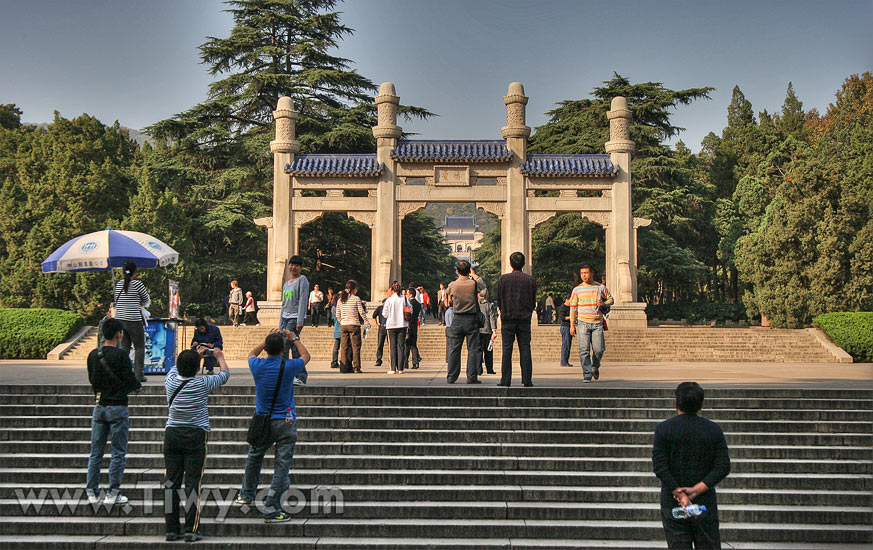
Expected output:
(587, 319)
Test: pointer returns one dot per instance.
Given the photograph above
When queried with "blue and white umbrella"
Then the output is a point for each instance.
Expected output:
(103, 250)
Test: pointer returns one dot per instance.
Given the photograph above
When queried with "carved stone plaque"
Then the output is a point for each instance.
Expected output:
(454, 176)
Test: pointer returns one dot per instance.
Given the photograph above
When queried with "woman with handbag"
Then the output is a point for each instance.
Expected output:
(397, 318)
(129, 297)
(350, 312)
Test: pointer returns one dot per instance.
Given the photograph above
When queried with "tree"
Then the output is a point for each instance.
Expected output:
(666, 188)
(10, 116)
(218, 165)
(426, 259)
(70, 178)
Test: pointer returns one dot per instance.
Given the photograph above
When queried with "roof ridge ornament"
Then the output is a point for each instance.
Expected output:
(515, 102)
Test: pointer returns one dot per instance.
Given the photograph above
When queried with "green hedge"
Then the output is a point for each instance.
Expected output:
(32, 333)
(693, 312)
(851, 331)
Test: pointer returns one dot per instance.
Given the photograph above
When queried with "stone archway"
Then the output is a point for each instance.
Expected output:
(451, 170)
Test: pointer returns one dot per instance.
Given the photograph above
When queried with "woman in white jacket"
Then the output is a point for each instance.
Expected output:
(396, 324)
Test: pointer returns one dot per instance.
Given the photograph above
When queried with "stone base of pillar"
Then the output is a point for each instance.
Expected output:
(628, 315)
(269, 312)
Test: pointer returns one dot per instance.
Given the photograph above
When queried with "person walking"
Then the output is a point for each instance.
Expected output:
(550, 308)
(274, 396)
(587, 319)
(411, 346)
(251, 311)
(690, 456)
(441, 304)
(350, 312)
(516, 299)
(566, 338)
(425, 304)
(111, 377)
(316, 297)
(396, 310)
(235, 302)
(295, 292)
(463, 293)
(488, 333)
(208, 336)
(186, 436)
(379, 317)
(129, 298)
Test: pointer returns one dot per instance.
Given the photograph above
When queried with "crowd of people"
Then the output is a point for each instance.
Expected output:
(690, 455)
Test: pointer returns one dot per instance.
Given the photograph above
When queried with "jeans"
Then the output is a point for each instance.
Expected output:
(285, 437)
(464, 327)
(701, 531)
(334, 361)
(184, 457)
(566, 340)
(383, 335)
(487, 356)
(134, 333)
(411, 347)
(397, 347)
(590, 336)
(315, 313)
(233, 313)
(291, 324)
(510, 331)
(549, 310)
(112, 422)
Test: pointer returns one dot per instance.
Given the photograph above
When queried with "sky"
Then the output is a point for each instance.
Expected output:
(138, 61)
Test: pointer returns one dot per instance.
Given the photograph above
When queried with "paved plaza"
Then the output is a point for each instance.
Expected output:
(546, 374)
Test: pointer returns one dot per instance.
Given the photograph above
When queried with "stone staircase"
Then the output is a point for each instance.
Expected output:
(453, 468)
(627, 345)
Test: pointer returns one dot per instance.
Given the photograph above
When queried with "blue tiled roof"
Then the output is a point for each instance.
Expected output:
(568, 165)
(452, 150)
(335, 165)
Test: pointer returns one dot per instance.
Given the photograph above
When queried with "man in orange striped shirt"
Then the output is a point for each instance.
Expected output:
(585, 302)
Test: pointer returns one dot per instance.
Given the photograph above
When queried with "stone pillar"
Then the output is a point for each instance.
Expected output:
(281, 246)
(386, 226)
(515, 234)
(626, 312)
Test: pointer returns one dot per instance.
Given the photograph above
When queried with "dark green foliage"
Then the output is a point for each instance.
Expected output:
(10, 116)
(426, 260)
(32, 333)
(345, 253)
(852, 331)
(696, 312)
(69, 178)
(667, 188)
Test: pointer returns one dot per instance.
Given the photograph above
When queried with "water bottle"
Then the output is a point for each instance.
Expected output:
(366, 330)
(491, 345)
(289, 418)
(97, 398)
(691, 511)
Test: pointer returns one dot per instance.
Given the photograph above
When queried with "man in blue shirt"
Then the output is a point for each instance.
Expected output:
(283, 426)
(208, 336)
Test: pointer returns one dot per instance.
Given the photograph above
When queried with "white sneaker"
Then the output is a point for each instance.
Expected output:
(299, 382)
(390, 372)
(116, 498)
(400, 372)
(93, 498)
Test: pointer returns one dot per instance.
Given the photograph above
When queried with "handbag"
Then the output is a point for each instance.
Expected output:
(407, 310)
(259, 428)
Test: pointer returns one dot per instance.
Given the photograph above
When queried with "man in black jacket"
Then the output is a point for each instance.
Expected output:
(111, 375)
(516, 299)
(690, 456)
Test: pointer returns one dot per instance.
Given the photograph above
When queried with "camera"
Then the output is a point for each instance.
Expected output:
(208, 352)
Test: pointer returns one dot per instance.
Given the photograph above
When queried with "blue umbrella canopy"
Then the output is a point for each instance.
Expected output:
(103, 250)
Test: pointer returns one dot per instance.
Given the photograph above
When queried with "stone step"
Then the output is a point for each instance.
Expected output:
(155, 445)
(481, 412)
(440, 528)
(688, 344)
(218, 505)
(98, 542)
(557, 479)
(33, 492)
(410, 462)
(476, 424)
